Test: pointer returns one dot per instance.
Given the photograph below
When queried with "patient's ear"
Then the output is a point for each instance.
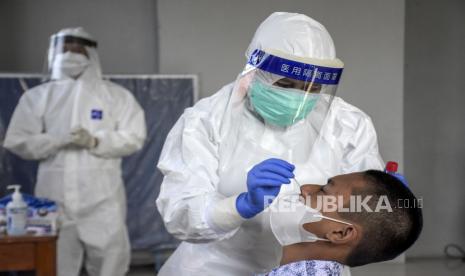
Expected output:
(344, 234)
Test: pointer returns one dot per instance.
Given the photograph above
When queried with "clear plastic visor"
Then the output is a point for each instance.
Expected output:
(283, 91)
(70, 56)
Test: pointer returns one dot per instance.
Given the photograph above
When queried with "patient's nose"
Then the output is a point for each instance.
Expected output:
(309, 189)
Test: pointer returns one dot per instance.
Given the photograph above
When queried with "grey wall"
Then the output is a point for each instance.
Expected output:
(209, 38)
(126, 32)
(435, 118)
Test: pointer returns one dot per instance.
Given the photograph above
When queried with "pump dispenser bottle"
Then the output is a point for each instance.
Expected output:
(16, 213)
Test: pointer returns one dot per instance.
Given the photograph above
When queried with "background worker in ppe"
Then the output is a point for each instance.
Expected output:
(79, 127)
(279, 120)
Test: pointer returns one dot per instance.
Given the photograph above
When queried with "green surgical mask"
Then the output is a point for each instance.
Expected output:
(280, 106)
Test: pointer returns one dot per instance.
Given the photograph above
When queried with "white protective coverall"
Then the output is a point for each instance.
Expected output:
(214, 144)
(87, 184)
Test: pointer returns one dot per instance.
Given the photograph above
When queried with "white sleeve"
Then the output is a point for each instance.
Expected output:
(362, 151)
(130, 132)
(189, 203)
(26, 135)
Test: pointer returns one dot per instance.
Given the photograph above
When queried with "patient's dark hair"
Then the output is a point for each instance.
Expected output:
(385, 235)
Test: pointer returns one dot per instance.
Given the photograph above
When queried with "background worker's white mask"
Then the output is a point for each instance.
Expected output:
(288, 215)
(70, 64)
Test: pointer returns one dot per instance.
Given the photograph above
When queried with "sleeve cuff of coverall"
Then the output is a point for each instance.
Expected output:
(101, 147)
(222, 216)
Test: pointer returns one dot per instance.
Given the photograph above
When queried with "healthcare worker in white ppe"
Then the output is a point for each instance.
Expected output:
(279, 120)
(80, 126)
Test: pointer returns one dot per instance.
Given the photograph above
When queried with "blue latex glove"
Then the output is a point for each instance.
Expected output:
(264, 179)
(32, 202)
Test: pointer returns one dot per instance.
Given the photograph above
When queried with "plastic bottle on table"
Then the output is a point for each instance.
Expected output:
(16, 213)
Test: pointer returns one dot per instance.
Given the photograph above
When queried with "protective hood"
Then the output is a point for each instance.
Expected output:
(294, 34)
(73, 54)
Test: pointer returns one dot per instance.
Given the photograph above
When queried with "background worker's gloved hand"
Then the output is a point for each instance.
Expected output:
(80, 137)
(264, 179)
(63, 141)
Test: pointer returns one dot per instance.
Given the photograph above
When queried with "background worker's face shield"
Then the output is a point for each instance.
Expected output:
(284, 90)
(72, 52)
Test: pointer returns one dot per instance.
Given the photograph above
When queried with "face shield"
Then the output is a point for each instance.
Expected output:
(278, 106)
(284, 90)
(71, 54)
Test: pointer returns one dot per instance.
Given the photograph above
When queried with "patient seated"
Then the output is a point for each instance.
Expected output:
(353, 220)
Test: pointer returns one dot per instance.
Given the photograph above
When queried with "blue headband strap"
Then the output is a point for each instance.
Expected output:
(294, 69)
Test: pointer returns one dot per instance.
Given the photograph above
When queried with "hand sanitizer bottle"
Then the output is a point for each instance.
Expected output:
(16, 213)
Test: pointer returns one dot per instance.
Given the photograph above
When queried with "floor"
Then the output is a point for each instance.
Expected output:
(142, 271)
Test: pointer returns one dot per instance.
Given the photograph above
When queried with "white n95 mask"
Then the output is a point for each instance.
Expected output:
(70, 64)
(288, 215)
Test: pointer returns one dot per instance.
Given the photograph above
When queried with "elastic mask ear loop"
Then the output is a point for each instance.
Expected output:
(321, 239)
(310, 236)
(328, 218)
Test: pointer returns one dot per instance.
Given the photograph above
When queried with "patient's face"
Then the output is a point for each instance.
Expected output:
(327, 198)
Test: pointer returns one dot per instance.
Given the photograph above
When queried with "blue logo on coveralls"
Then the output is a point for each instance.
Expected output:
(256, 57)
(96, 114)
